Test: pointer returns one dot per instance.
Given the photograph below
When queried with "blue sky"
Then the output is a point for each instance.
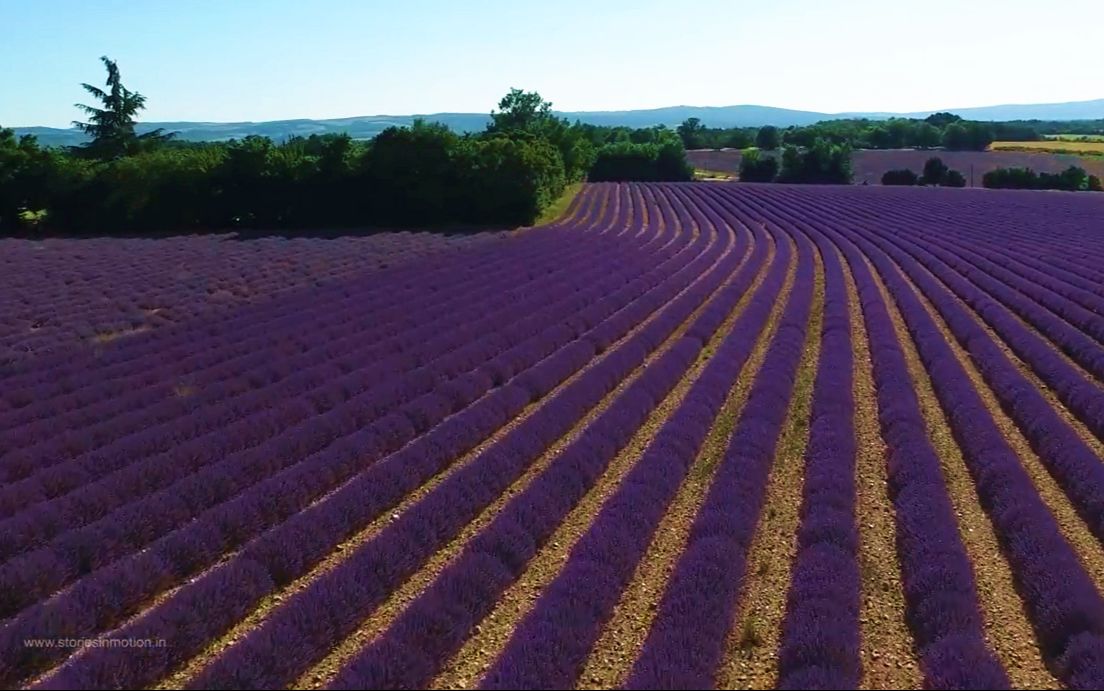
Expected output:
(231, 60)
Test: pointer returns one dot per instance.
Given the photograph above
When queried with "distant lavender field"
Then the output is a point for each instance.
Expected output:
(871, 164)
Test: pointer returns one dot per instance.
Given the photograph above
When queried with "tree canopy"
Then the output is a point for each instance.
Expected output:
(768, 138)
(112, 127)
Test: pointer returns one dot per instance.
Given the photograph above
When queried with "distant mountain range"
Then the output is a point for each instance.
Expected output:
(365, 127)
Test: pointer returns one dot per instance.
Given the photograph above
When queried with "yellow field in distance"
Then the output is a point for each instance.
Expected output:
(1053, 146)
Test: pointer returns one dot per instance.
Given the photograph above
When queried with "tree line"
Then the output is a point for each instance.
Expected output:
(936, 174)
(822, 163)
(1072, 179)
(424, 175)
(939, 130)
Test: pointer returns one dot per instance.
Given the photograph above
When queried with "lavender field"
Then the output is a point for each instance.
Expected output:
(690, 436)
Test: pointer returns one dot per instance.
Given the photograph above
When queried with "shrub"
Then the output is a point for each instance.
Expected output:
(822, 163)
(900, 177)
(646, 162)
(934, 171)
(757, 168)
(953, 178)
(1071, 179)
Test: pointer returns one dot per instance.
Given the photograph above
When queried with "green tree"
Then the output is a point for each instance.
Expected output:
(506, 180)
(967, 136)
(411, 174)
(768, 138)
(663, 160)
(876, 137)
(754, 167)
(941, 120)
(522, 111)
(112, 127)
(691, 131)
(671, 163)
(525, 114)
(926, 136)
(934, 171)
(824, 163)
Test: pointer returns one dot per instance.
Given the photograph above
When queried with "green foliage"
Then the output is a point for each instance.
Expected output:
(691, 132)
(768, 138)
(625, 160)
(526, 114)
(754, 167)
(902, 133)
(934, 171)
(967, 136)
(941, 120)
(937, 173)
(1072, 179)
(506, 180)
(424, 175)
(24, 177)
(926, 136)
(411, 174)
(112, 127)
(696, 135)
(900, 177)
(822, 163)
(953, 178)
(1014, 132)
(1094, 184)
(521, 111)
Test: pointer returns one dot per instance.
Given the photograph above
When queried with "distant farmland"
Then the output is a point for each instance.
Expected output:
(1072, 146)
(871, 164)
(691, 435)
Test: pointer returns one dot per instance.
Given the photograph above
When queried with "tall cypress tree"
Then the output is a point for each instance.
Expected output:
(112, 127)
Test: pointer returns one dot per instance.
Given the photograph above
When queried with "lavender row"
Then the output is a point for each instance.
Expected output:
(940, 593)
(392, 347)
(1073, 342)
(820, 633)
(570, 613)
(170, 312)
(1065, 608)
(684, 647)
(420, 278)
(1019, 256)
(1028, 275)
(57, 307)
(1050, 294)
(941, 604)
(1068, 458)
(210, 417)
(336, 603)
(70, 556)
(435, 625)
(281, 560)
(1078, 393)
(278, 379)
(224, 340)
(395, 344)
